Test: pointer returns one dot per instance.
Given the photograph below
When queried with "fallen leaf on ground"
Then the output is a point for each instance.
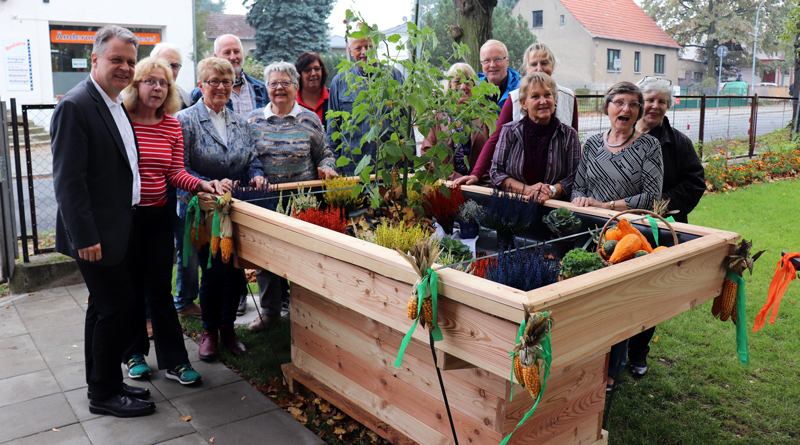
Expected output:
(211, 440)
(244, 397)
(56, 430)
(339, 416)
(339, 431)
(324, 407)
(187, 418)
(6, 307)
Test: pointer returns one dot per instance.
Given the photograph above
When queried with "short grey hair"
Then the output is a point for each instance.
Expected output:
(655, 85)
(624, 88)
(282, 67)
(216, 42)
(163, 46)
(466, 73)
(106, 33)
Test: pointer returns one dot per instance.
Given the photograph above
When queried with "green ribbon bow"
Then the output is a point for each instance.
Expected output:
(741, 307)
(192, 213)
(432, 280)
(547, 355)
(654, 226)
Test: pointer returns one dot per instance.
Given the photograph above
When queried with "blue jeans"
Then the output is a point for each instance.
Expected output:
(617, 351)
(187, 285)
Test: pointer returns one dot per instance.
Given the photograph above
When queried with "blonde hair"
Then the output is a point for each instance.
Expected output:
(466, 73)
(538, 48)
(216, 64)
(145, 68)
(539, 77)
(493, 42)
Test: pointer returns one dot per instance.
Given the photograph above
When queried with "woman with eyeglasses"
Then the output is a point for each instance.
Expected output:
(150, 99)
(290, 143)
(218, 146)
(620, 169)
(312, 93)
(538, 58)
(684, 182)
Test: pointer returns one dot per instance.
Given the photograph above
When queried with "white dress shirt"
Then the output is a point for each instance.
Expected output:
(128, 139)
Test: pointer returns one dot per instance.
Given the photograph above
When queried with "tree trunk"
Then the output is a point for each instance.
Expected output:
(474, 26)
(796, 88)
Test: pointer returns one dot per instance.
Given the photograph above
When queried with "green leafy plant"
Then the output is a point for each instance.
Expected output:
(562, 221)
(580, 261)
(453, 251)
(302, 200)
(401, 235)
(416, 103)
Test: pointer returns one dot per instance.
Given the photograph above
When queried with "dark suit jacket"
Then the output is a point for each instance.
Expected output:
(92, 176)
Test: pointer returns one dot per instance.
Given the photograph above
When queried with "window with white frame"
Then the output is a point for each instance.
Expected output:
(613, 54)
(561, 20)
(658, 67)
(637, 62)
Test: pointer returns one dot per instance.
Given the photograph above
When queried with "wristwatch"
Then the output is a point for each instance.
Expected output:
(611, 203)
(553, 189)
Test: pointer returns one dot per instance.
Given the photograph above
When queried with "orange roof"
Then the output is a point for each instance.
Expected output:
(619, 20)
(236, 24)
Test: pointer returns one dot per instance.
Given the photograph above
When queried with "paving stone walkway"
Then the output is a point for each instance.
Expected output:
(43, 388)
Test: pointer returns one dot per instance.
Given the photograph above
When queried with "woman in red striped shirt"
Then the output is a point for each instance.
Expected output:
(150, 99)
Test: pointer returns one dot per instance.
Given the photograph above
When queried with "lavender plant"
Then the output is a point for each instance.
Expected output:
(523, 269)
(508, 211)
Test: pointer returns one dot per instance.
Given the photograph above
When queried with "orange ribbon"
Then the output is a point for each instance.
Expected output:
(785, 272)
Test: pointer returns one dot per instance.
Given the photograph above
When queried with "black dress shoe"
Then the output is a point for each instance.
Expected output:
(122, 406)
(132, 391)
(639, 371)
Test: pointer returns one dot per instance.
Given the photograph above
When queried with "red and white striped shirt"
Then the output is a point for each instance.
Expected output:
(161, 158)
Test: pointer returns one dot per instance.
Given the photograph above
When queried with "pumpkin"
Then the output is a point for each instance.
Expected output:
(613, 234)
(608, 248)
(627, 229)
(659, 248)
(625, 248)
(639, 253)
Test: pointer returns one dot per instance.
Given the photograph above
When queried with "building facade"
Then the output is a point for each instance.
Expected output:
(47, 45)
(588, 36)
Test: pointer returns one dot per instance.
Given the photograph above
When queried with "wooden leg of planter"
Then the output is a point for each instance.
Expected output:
(296, 375)
(449, 362)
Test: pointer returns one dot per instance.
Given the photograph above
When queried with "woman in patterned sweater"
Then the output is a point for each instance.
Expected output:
(150, 98)
(620, 170)
(290, 143)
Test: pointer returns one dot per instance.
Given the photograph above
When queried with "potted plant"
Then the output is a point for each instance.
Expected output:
(562, 222)
(443, 205)
(580, 261)
(468, 216)
(509, 213)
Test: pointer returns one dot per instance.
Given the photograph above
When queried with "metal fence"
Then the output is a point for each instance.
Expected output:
(705, 118)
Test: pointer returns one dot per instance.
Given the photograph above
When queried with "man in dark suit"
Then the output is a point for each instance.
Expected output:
(97, 187)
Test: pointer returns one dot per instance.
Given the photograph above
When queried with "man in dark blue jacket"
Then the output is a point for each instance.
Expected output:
(248, 93)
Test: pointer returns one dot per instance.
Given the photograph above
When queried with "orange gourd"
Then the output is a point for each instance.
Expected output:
(659, 248)
(625, 249)
(627, 229)
(614, 234)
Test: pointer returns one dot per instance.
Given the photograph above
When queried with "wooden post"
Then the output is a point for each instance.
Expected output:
(753, 126)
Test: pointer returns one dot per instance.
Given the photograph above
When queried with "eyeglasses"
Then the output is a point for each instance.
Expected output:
(496, 60)
(175, 66)
(215, 83)
(283, 83)
(621, 104)
(152, 82)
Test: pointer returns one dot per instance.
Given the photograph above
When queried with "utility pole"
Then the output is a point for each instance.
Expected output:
(755, 40)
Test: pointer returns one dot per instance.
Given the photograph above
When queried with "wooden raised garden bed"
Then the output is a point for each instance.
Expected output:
(348, 314)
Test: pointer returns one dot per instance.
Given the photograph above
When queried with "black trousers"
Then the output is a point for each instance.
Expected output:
(150, 262)
(108, 324)
(639, 347)
(221, 286)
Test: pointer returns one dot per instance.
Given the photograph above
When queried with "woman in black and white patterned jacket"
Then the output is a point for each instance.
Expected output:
(622, 168)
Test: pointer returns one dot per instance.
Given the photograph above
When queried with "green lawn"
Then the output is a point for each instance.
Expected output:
(696, 391)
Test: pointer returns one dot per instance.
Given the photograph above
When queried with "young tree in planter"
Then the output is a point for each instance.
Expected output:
(420, 102)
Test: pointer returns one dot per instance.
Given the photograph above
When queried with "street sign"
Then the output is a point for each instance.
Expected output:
(617, 64)
(722, 51)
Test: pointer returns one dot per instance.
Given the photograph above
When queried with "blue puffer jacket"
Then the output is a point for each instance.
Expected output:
(512, 83)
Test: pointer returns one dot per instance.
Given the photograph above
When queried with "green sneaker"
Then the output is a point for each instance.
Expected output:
(137, 367)
(184, 374)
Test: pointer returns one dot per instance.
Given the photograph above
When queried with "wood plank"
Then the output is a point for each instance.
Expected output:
(295, 376)
(424, 405)
(449, 362)
(385, 412)
(478, 393)
(586, 432)
(468, 333)
(563, 387)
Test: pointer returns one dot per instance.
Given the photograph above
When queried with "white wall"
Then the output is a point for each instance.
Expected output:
(31, 19)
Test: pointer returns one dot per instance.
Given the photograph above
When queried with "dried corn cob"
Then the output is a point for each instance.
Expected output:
(226, 246)
(531, 377)
(728, 299)
(733, 314)
(192, 233)
(426, 316)
(716, 308)
(202, 236)
(215, 240)
(518, 370)
(413, 306)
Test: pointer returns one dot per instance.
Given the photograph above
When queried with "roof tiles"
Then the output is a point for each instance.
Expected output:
(618, 19)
